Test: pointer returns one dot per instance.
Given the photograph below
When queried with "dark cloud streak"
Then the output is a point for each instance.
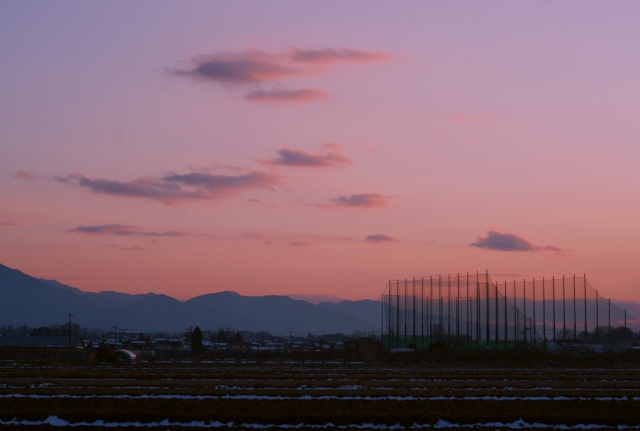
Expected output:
(121, 230)
(509, 242)
(380, 238)
(175, 187)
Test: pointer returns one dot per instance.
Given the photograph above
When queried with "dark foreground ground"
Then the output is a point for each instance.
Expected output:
(318, 396)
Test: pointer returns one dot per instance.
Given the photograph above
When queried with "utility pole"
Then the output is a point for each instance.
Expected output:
(70, 316)
(115, 335)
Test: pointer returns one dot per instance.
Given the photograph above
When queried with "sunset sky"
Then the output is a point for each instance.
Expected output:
(319, 147)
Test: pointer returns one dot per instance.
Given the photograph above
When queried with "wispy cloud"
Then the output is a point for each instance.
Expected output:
(134, 248)
(177, 187)
(4, 223)
(274, 96)
(380, 238)
(121, 230)
(253, 68)
(331, 157)
(298, 244)
(367, 200)
(344, 55)
(25, 175)
(510, 242)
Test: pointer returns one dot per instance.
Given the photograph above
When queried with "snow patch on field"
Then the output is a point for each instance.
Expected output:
(55, 421)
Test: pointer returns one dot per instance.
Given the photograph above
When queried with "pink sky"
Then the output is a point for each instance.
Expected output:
(318, 148)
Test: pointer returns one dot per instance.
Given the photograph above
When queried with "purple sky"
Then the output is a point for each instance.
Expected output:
(318, 148)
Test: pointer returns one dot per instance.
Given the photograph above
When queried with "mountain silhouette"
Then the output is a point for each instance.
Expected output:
(38, 302)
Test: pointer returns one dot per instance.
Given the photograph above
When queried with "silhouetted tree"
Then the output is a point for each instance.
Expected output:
(237, 337)
(222, 337)
(196, 340)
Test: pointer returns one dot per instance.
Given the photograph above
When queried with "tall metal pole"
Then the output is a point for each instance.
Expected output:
(609, 326)
(533, 328)
(414, 310)
(597, 318)
(440, 327)
(397, 313)
(524, 313)
(585, 306)
(458, 312)
(515, 316)
(575, 320)
(390, 315)
(422, 313)
(431, 309)
(506, 316)
(468, 303)
(449, 309)
(381, 322)
(564, 312)
(553, 280)
(70, 316)
(544, 315)
(404, 341)
(497, 316)
(477, 310)
(486, 278)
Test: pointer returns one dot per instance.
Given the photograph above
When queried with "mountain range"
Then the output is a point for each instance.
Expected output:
(38, 302)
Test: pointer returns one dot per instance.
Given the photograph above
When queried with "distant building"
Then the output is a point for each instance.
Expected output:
(239, 346)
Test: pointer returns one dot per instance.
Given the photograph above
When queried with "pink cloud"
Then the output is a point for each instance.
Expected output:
(380, 238)
(275, 96)
(510, 242)
(367, 200)
(330, 55)
(26, 175)
(248, 67)
(175, 188)
(253, 67)
(303, 159)
(6, 224)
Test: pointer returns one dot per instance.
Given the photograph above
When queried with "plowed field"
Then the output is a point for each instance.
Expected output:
(249, 396)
